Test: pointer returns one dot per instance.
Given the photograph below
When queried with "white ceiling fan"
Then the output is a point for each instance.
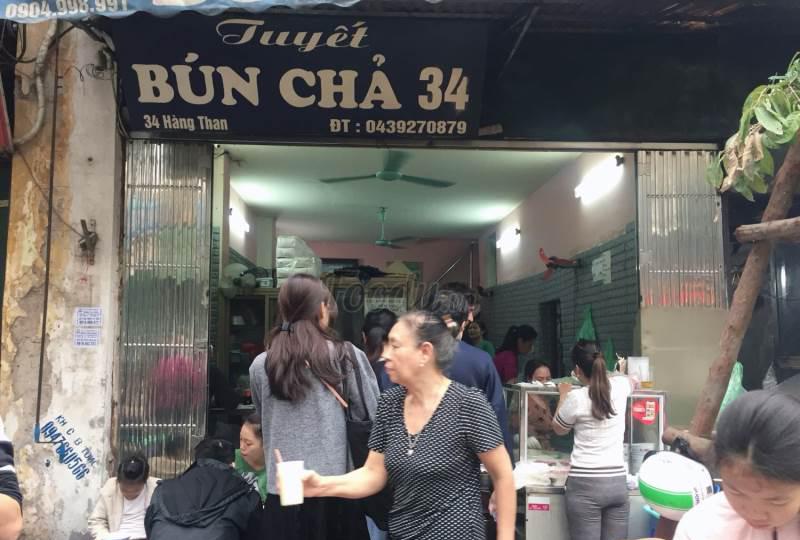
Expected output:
(394, 243)
(391, 173)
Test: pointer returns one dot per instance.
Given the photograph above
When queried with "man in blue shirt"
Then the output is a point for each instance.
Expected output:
(471, 366)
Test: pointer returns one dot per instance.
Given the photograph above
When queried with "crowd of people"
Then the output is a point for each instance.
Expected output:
(393, 441)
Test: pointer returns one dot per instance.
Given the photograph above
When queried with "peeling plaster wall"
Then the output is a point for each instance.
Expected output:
(77, 382)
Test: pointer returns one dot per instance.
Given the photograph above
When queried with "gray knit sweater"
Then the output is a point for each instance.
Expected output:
(313, 429)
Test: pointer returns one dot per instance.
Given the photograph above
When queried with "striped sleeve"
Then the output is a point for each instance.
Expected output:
(8, 475)
(567, 412)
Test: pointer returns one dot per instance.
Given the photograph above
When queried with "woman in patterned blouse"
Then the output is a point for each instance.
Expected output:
(430, 437)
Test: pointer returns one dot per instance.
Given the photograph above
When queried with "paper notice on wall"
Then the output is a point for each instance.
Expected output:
(89, 317)
(601, 268)
(86, 338)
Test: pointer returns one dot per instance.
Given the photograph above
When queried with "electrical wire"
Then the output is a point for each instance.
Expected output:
(118, 104)
(38, 76)
(44, 194)
(23, 37)
(21, 58)
(48, 252)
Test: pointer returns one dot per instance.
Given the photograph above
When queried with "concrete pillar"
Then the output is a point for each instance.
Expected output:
(220, 205)
(220, 240)
(61, 481)
(681, 343)
(265, 241)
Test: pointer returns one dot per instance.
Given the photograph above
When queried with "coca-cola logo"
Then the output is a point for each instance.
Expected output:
(645, 411)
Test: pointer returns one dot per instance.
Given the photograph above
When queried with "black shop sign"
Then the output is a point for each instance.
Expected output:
(243, 76)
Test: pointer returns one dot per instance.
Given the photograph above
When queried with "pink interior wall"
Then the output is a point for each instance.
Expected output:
(435, 256)
(553, 219)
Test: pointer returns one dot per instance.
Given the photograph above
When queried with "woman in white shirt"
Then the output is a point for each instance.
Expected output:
(757, 449)
(596, 492)
(120, 510)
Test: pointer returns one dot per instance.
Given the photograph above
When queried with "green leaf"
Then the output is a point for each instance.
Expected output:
(769, 120)
(779, 103)
(757, 184)
(767, 164)
(753, 96)
(744, 125)
(794, 66)
(748, 108)
(746, 192)
(714, 174)
(792, 125)
(768, 140)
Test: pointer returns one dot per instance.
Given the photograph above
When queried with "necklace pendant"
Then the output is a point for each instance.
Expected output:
(410, 451)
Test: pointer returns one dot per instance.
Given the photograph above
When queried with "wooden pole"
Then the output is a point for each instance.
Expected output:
(744, 298)
(782, 229)
(741, 311)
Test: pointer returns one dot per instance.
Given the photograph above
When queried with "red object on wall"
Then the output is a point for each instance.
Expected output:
(645, 411)
(539, 507)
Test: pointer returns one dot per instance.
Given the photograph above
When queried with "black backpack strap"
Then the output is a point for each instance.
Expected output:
(350, 348)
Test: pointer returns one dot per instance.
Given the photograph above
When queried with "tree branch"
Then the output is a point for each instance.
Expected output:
(782, 229)
(744, 298)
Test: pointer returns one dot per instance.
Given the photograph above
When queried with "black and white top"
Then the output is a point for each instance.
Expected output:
(8, 476)
(598, 450)
(437, 485)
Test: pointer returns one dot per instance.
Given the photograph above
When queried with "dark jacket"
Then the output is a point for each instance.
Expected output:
(210, 501)
(474, 368)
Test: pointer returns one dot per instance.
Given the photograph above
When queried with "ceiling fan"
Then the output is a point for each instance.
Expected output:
(391, 172)
(382, 241)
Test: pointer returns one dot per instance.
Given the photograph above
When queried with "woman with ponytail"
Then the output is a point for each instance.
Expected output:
(597, 492)
(295, 385)
(518, 341)
(123, 501)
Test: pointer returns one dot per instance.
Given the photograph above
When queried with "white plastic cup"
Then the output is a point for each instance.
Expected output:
(291, 477)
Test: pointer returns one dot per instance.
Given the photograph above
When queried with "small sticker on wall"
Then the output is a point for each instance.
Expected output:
(89, 317)
(86, 338)
(539, 504)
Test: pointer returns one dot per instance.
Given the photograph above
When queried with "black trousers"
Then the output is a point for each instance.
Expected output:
(321, 518)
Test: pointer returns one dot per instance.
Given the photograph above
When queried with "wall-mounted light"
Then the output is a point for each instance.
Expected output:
(784, 281)
(237, 222)
(509, 239)
(600, 180)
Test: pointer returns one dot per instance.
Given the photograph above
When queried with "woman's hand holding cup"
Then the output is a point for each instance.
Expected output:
(295, 482)
(313, 484)
(289, 480)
